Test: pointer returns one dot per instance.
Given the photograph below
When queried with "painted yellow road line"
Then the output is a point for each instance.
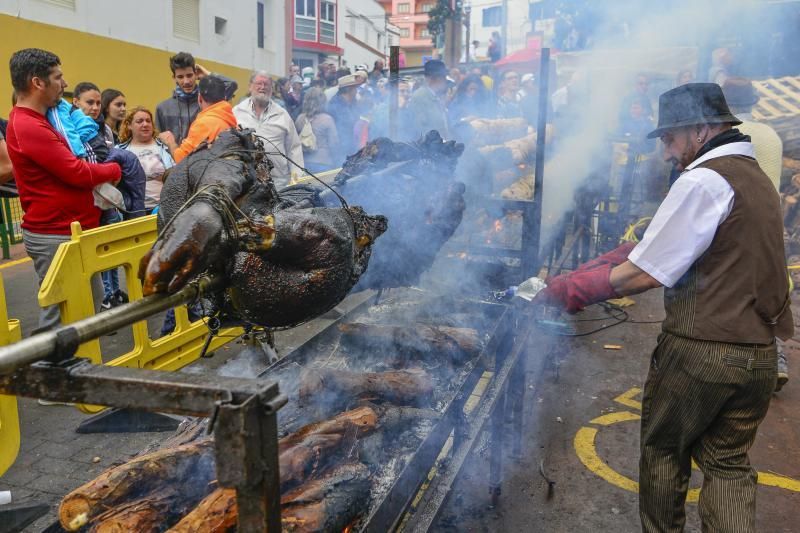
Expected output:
(626, 399)
(587, 452)
(15, 262)
(777, 480)
(613, 418)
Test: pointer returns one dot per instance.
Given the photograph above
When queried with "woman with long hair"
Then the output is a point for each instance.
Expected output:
(471, 100)
(138, 134)
(112, 106)
(317, 132)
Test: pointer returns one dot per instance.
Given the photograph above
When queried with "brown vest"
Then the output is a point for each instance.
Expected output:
(738, 290)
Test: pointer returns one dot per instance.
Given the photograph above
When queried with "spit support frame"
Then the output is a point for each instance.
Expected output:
(243, 416)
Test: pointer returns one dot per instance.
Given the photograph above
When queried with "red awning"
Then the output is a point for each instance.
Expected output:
(526, 55)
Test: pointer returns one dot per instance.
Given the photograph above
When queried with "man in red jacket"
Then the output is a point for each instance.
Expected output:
(55, 187)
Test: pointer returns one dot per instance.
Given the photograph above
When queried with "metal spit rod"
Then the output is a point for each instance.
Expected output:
(68, 337)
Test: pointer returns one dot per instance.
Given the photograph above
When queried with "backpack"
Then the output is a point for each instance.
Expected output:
(307, 137)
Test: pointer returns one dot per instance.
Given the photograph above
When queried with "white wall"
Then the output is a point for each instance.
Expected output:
(365, 20)
(149, 23)
(518, 25)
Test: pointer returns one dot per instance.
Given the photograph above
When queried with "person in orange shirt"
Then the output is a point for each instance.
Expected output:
(215, 116)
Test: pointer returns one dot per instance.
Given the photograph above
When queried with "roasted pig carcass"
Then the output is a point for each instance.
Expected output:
(285, 260)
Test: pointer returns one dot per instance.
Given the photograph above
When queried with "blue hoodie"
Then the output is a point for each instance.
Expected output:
(74, 125)
(79, 129)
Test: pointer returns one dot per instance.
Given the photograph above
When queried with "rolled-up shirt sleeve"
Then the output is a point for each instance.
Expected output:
(684, 225)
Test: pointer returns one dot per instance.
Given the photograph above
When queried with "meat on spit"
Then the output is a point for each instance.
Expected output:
(288, 256)
(221, 213)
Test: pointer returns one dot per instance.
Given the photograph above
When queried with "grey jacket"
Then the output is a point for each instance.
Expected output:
(426, 112)
(176, 116)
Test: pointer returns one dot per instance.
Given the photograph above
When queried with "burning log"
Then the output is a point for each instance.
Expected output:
(327, 503)
(134, 495)
(482, 131)
(303, 452)
(190, 465)
(513, 152)
(217, 513)
(147, 515)
(364, 419)
(416, 342)
(403, 387)
(522, 189)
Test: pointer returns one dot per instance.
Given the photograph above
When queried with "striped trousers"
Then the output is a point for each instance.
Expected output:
(704, 401)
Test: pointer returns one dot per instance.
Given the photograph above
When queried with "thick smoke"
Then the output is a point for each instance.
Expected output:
(631, 38)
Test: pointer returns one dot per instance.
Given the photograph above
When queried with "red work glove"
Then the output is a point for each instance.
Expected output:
(574, 291)
(615, 257)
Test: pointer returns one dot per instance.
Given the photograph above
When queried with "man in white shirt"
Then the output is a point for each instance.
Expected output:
(275, 127)
(716, 245)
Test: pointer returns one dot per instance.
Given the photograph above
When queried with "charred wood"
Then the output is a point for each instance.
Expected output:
(403, 387)
(190, 464)
(419, 341)
(329, 502)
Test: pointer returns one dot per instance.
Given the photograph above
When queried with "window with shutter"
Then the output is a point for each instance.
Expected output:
(492, 16)
(186, 19)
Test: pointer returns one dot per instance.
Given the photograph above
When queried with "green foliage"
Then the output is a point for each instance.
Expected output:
(437, 17)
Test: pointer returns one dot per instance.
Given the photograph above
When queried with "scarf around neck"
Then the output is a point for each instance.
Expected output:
(726, 137)
(184, 96)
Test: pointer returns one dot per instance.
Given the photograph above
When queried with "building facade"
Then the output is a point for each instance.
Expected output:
(411, 19)
(126, 45)
(350, 32)
(367, 35)
(486, 16)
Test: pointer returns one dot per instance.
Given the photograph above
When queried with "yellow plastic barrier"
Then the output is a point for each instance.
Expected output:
(68, 285)
(9, 416)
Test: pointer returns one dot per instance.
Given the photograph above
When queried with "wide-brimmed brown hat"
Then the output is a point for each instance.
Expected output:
(692, 103)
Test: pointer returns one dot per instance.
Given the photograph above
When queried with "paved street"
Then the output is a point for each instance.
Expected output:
(582, 426)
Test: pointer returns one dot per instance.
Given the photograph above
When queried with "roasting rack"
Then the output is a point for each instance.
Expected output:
(414, 498)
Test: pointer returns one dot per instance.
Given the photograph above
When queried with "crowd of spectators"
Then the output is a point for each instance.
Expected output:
(95, 160)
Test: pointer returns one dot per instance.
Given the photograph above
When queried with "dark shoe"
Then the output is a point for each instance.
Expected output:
(120, 297)
(107, 303)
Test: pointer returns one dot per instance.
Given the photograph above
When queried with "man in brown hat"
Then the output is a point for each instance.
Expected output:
(716, 246)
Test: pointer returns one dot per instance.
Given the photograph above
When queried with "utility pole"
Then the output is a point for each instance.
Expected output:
(468, 23)
(504, 30)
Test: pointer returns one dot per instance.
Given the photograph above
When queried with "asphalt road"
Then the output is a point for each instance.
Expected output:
(582, 425)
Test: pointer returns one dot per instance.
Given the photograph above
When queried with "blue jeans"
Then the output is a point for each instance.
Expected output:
(110, 277)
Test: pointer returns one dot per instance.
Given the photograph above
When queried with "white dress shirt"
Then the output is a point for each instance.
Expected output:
(277, 126)
(687, 220)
